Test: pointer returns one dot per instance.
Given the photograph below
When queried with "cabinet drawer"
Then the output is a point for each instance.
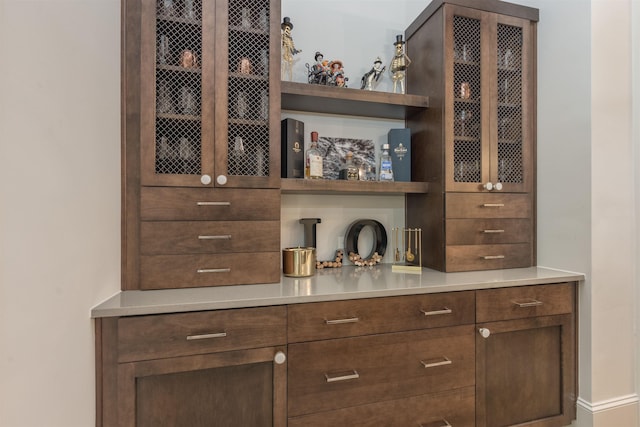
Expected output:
(333, 374)
(188, 271)
(488, 231)
(488, 257)
(338, 319)
(482, 205)
(192, 237)
(523, 301)
(162, 203)
(457, 407)
(182, 334)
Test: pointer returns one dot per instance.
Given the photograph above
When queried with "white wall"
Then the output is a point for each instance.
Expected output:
(59, 203)
(635, 117)
(60, 191)
(613, 245)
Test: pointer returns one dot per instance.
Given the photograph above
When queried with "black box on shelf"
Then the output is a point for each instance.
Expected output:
(292, 148)
(400, 151)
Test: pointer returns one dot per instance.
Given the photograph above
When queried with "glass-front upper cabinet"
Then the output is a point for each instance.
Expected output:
(209, 109)
(488, 108)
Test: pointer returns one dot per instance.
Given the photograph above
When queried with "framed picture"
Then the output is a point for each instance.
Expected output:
(334, 150)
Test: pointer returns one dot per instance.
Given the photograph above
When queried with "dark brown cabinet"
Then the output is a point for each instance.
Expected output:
(525, 356)
(477, 65)
(206, 368)
(201, 143)
(358, 362)
(486, 358)
(209, 109)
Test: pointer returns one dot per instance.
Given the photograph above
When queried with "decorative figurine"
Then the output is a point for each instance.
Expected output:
(244, 65)
(188, 59)
(288, 48)
(336, 74)
(326, 73)
(399, 64)
(318, 73)
(372, 75)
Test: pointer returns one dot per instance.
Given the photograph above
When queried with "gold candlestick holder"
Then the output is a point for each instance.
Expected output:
(407, 250)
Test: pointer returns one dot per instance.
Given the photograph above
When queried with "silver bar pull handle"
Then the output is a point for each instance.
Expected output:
(493, 205)
(206, 336)
(441, 423)
(352, 376)
(213, 203)
(530, 303)
(492, 231)
(493, 257)
(213, 270)
(215, 237)
(444, 310)
(341, 321)
(445, 361)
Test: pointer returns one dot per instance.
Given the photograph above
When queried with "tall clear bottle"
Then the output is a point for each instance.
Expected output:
(313, 159)
(386, 169)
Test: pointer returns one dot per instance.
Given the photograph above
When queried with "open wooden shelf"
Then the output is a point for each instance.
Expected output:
(326, 186)
(352, 102)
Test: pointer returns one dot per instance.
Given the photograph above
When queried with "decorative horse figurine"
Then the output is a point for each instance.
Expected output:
(372, 75)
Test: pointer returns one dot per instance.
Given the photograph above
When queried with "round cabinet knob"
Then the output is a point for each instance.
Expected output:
(221, 179)
(280, 358)
(488, 186)
(498, 186)
(484, 332)
(205, 179)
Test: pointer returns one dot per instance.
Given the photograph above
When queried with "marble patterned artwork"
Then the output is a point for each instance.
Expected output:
(334, 151)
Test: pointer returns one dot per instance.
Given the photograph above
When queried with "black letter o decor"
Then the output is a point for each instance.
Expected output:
(353, 232)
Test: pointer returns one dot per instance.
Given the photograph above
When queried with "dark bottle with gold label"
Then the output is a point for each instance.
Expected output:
(349, 171)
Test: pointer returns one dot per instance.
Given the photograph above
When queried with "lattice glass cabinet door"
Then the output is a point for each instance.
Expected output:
(512, 122)
(489, 121)
(466, 91)
(207, 103)
(247, 140)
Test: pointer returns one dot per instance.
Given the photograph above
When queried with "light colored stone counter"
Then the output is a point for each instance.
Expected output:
(348, 282)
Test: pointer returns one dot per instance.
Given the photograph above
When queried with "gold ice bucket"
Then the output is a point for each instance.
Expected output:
(299, 262)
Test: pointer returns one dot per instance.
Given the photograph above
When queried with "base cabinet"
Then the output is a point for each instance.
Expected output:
(222, 368)
(486, 358)
(227, 389)
(525, 356)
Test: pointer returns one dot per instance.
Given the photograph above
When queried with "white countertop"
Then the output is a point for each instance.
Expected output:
(348, 282)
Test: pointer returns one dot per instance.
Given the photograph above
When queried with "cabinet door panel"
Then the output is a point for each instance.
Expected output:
(455, 408)
(243, 388)
(333, 374)
(247, 97)
(177, 86)
(525, 373)
(467, 99)
(513, 121)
